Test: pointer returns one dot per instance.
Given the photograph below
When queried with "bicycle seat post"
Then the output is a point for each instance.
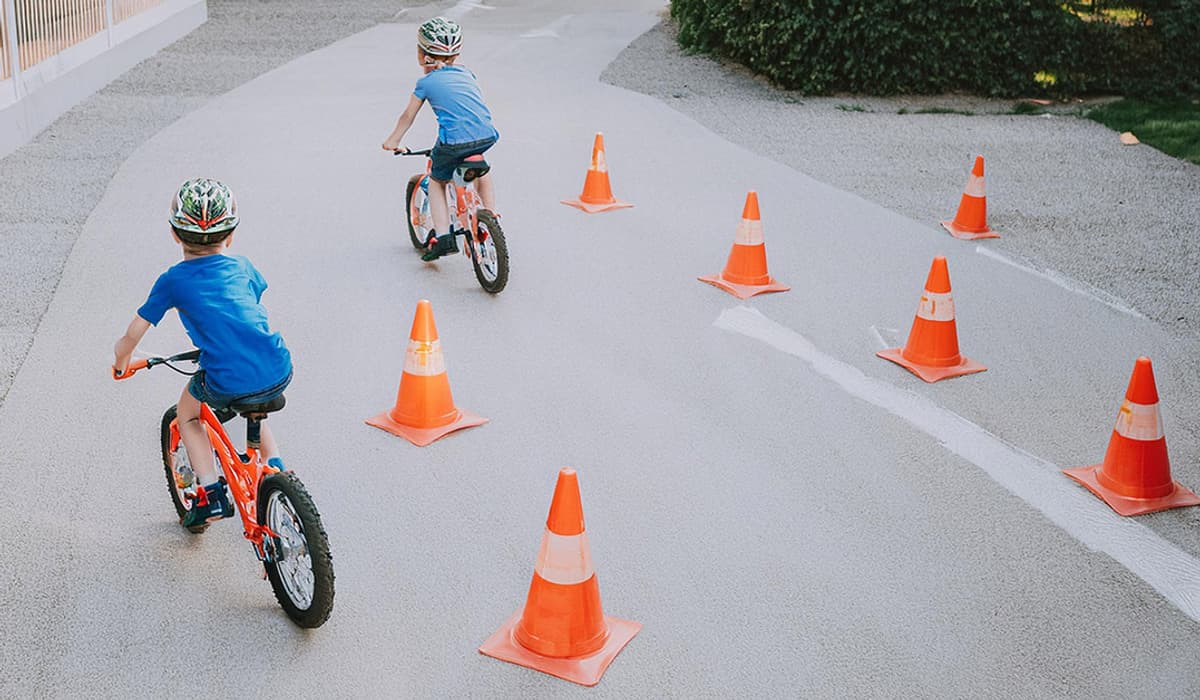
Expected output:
(253, 432)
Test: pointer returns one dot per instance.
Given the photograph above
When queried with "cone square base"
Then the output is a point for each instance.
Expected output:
(584, 670)
(931, 374)
(1181, 497)
(744, 291)
(424, 436)
(596, 208)
(965, 235)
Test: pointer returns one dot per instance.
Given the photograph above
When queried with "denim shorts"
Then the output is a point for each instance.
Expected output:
(200, 391)
(447, 157)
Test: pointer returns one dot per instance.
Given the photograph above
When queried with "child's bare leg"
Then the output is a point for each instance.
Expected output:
(270, 448)
(438, 204)
(195, 439)
(483, 185)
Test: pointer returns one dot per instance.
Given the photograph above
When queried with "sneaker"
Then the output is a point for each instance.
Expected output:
(436, 246)
(211, 503)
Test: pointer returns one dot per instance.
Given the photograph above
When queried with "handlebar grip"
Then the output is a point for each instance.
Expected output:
(130, 370)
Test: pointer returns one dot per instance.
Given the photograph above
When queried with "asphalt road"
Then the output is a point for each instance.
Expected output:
(786, 514)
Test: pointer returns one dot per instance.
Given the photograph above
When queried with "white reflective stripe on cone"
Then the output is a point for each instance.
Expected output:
(599, 163)
(749, 232)
(974, 186)
(1138, 421)
(424, 358)
(564, 559)
(936, 306)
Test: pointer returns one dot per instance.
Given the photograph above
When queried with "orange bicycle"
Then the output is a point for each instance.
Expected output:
(485, 243)
(278, 516)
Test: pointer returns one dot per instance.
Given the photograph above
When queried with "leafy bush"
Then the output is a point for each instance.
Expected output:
(988, 47)
(1156, 54)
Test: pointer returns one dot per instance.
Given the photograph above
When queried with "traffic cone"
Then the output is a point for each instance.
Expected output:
(971, 220)
(931, 352)
(1135, 476)
(563, 630)
(597, 194)
(745, 272)
(424, 409)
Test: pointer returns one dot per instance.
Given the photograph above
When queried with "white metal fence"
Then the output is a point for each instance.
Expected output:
(33, 30)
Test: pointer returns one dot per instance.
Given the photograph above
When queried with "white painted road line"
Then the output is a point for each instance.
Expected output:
(1165, 567)
(462, 8)
(1063, 281)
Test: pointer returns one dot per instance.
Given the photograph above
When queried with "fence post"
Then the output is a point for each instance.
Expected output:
(108, 20)
(12, 45)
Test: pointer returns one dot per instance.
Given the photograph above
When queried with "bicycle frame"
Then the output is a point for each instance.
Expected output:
(466, 203)
(242, 474)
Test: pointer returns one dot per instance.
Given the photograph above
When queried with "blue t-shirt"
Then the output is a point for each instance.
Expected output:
(217, 297)
(454, 95)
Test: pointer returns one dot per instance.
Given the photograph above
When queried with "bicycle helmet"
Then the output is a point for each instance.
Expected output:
(440, 37)
(203, 211)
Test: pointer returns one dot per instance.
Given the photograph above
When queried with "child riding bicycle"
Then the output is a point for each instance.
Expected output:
(218, 299)
(464, 123)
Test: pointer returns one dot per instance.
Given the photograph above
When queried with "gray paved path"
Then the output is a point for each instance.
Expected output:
(52, 184)
(786, 514)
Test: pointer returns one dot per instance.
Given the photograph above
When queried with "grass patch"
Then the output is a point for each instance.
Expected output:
(944, 110)
(1173, 128)
(1027, 108)
(935, 110)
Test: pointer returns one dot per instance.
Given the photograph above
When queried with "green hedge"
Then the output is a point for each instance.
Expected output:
(987, 47)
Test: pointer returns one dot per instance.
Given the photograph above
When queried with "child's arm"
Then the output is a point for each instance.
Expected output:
(402, 124)
(128, 342)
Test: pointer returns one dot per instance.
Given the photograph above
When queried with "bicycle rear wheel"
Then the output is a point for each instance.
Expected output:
(490, 253)
(416, 205)
(300, 566)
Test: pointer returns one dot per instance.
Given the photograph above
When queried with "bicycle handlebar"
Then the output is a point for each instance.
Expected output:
(149, 362)
(410, 152)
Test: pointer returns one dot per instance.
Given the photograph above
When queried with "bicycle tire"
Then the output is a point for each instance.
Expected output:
(284, 504)
(414, 195)
(173, 485)
(492, 282)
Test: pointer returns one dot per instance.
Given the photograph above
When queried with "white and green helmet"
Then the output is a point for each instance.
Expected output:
(440, 37)
(203, 211)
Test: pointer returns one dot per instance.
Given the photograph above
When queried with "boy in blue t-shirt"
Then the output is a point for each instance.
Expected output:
(464, 123)
(217, 296)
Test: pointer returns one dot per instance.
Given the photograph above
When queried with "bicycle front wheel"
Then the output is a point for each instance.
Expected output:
(490, 256)
(416, 201)
(180, 477)
(300, 566)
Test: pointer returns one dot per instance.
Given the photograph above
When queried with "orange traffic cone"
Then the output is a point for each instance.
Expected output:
(971, 220)
(931, 352)
(1135, 476)
(563, 630)
(597, 194)
(424, 409)
(745, 272)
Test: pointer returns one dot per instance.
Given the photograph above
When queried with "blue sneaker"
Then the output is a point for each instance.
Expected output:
(211, 503)
(277, 463)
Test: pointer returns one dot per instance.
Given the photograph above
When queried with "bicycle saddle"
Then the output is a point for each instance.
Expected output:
(472, 167)
(259, 410)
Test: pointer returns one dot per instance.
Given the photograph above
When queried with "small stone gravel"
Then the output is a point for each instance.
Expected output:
(1063, 192)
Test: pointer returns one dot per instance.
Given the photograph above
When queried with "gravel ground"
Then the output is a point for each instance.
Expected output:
(52, 184)
(1066, 196)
